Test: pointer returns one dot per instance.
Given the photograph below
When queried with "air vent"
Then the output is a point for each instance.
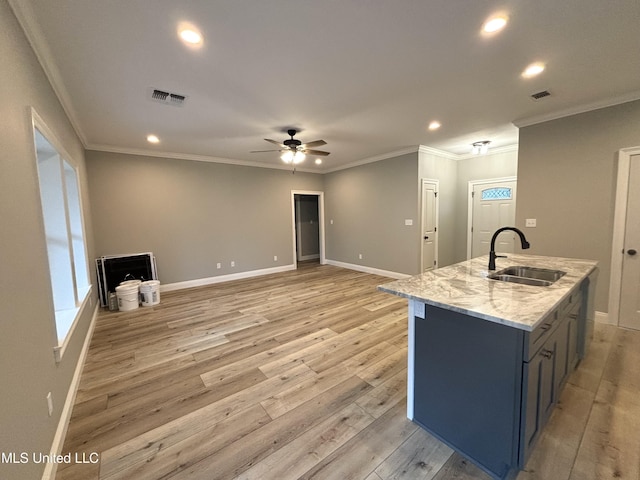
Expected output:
(542, 94)
(168, 98)
(177, 99)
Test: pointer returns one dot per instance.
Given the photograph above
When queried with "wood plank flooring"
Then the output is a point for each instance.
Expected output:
(302, 375)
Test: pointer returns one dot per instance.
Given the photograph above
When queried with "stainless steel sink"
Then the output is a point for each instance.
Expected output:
(542, 277)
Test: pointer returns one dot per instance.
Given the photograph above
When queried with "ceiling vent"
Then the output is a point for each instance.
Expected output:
(168, 98)
(542, 94)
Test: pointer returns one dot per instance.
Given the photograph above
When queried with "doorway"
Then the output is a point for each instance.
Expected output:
(492, 204)
(624, 302)
(429, 225)
(308, 227)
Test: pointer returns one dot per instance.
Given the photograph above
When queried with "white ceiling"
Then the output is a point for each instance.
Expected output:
(367, 76)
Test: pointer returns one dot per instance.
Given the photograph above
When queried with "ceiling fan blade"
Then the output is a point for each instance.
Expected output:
(320, 153)
(317, 143)
(262, 151)
(275, 143)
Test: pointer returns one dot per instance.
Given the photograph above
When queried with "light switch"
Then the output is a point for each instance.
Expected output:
(530, 222)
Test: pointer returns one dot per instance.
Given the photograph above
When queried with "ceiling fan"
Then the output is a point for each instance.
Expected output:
(293, 150)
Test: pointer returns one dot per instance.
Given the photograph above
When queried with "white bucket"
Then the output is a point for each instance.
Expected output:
(150, 293)
(128, 297)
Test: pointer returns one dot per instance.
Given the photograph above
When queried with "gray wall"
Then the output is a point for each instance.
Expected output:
(193, 215)
(27, 328)
(368, 205)
(481, 167)
(566, 180)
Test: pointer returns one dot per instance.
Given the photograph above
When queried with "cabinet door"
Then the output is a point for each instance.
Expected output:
(572, 354)
(538, 398)
(561, 357)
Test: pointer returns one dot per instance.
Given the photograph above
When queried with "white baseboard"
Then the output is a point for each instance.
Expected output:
(201, 282)
(603, 317)
(365, 269)
(65, 416)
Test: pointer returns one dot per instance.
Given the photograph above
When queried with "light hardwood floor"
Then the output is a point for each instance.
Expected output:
(303, 375)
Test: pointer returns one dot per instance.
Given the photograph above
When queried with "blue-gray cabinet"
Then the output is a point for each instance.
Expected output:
(487, 389)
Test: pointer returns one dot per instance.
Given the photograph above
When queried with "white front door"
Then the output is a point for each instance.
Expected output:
(493, 206)
(630, 290)
(429, 224)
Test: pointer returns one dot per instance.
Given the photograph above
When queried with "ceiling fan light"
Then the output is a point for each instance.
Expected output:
(299, 157)
(287, 157)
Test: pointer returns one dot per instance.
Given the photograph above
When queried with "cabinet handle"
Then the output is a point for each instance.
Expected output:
(573, 315)
(546, 326)
(547, 353)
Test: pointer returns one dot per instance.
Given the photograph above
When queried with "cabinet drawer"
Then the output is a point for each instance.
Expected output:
(535, 339)
(569, 303)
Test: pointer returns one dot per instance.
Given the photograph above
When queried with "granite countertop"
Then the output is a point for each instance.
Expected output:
(465, 288)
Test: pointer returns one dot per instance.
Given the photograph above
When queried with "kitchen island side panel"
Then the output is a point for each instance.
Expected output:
(467, 383)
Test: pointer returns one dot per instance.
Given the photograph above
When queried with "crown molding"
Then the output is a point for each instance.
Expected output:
(609, 102)
(26, 18)
(376, 158)
(194, 157)
(437, 152)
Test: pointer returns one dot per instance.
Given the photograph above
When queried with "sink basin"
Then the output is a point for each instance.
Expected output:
(533, 272)
(542, 277)
(521, 280)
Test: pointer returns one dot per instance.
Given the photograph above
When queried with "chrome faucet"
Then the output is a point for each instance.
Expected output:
(492, 253)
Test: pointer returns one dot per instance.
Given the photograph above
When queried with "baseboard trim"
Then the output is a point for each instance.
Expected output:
(365, 269)
(603, 317)
(201, 282)
(61, 432)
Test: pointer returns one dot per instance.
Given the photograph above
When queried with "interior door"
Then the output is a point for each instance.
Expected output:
(494, 206)
(630, 291)
(429, 225)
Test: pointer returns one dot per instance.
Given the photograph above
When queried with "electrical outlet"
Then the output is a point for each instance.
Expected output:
(331, 221)
(275, 258)
(408, 221)
(530, 222)
(233, 263)
(218, 265)
(360, 256)
(50, 403)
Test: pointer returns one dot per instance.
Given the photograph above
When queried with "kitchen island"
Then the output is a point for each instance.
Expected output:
(488, 358)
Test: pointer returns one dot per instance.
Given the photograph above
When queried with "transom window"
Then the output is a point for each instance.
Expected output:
(497, 193)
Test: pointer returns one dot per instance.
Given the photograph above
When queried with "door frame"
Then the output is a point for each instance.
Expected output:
(321, 239)
(619, 222)
(436, 184)
(471, 185)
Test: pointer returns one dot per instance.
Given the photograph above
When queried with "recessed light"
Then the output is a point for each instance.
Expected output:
(190, 34)
(318, 161)
(434, 125)
(534, 69)
(153, 139)
(495, 24)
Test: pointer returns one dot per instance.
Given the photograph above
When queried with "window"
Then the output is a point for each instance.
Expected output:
(63, 226)
(497, 193)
